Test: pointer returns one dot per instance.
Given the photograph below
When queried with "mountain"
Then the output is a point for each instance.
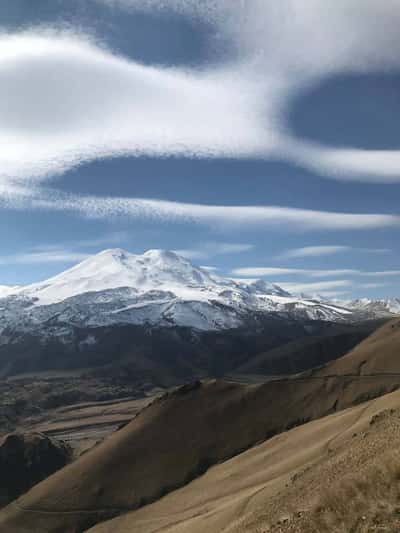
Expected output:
(157, 288)
(155, 270)
(5, 290)
(375, 308)
(180, 435)
(158, 315)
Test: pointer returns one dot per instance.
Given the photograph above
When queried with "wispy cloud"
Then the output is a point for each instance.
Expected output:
(209, 268)
(371, 285)
(383, 273)
(66, 100)
(109, 239)
(320, 287)
(65, 253)
(313, 273)
(210, 249)
(268, 217)
(308, 51)
(276, 271)
(41, 257)
(322, 250)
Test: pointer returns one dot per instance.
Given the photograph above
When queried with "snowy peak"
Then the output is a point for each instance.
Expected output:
(158, 288)
(5, 290)
(259, 286)
(380, 307)
(115, 268)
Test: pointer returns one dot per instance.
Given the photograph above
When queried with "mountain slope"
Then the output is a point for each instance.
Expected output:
(116, 268)
(309, 351)
(181, 435)
(157, 312)
(6, 290)
(158, 288)
(380, 307)
(377, 354)
(333, 475)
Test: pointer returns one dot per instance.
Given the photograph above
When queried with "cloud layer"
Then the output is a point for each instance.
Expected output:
(322, 250)
(308, 272)
(267, 217)
(211, 249)
(65, 99)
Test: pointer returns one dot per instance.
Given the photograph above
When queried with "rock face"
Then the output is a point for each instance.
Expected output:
(26, 459)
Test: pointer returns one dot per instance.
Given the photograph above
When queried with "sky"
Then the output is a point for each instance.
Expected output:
(257, 138)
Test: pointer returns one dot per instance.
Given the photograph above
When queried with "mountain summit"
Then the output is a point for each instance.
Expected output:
(115, 268)
(158, 288)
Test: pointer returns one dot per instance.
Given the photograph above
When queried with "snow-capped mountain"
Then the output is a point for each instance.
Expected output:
(157, 288)
(381, 307)
(5, 290)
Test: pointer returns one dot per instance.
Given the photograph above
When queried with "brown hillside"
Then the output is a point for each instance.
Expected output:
(178, 437)
(378, 353)
(336, 474)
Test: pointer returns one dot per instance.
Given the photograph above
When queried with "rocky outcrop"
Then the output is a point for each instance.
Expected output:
(26, 459)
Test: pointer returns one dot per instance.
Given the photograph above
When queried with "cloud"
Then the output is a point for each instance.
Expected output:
(317, 287)
(66, 253)
(267, 217)
(209, 268)
(210, 249)
(348, 164)
(276, 271)
(41, 257)
(291, 45)
(322, 250)
(371, 285)
(108, 239)
(66, 100)
(383, 273)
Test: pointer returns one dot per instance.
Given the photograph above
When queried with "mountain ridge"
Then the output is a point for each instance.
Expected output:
(158, 287)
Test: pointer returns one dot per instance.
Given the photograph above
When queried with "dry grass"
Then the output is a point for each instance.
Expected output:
(359, 503)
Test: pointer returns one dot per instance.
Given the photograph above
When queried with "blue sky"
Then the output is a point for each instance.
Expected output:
(248, 136)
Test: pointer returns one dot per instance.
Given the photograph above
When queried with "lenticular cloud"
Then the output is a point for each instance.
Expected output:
(65, 99)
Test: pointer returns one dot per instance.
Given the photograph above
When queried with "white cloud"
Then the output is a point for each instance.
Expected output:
(268, 217)
(41, 257)
(349, 164)
(313, 273)
(371, 285)
(209, 268)
(66, 253)
(108, 239)
(383, 273)
(316, 288)
(65, 100)
(276, 271)
(292, 44)
(210, 249)
(322, 250)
